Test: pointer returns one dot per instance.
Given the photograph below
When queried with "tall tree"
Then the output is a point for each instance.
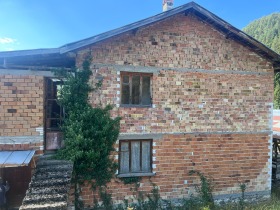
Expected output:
(267, 31)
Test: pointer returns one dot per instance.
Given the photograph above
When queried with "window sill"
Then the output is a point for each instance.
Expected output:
(136, 106)
(135, 175)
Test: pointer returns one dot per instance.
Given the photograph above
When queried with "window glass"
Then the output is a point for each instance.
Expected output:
(125, 79)
(135, 96)
(125, 90)
(135, 156)
(146, 96)
(146, 156)
(124, 164)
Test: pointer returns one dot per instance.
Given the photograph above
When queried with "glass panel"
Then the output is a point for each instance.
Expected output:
(55, 109)
(125, 94)
(146, 156)
(125, 79)
(58, 88)
(125, 90)
(146, 95)
(124, 147)
(124, 162)
(135, 90)
(55, 123)
(135, 156)
(53, 114)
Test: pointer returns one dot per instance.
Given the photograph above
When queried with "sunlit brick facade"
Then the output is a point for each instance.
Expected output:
(211, 106)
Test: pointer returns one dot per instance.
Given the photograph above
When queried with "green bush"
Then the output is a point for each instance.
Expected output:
(89, 132)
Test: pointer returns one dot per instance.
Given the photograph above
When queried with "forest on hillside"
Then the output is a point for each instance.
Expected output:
(267, 31)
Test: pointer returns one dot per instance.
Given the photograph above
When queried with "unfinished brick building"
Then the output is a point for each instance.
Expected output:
(194, 93)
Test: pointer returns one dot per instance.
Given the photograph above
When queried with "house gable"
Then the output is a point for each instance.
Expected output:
(211, 97)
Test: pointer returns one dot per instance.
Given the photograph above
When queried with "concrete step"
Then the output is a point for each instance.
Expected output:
(45, 206)
(46, 182)
(52, 162)
(56, 168)
(38, 199)
(52, 175)
(49, 185)
(51, 189)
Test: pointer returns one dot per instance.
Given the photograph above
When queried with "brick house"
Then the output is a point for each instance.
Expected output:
(194, 93)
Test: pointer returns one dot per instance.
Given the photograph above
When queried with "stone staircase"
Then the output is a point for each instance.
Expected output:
(49, 185)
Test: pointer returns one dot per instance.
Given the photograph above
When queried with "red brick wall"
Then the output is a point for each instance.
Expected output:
(21, 100)
(202, 83)
(194, 102)
(21, 112)
(228, 159)
(239, 99)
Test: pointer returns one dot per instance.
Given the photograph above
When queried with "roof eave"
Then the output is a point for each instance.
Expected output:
(7, 54)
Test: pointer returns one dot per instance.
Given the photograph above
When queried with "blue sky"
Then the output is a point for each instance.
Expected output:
(31, 24)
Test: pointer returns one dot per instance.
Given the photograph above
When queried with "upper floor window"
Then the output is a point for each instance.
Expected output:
(136, 89)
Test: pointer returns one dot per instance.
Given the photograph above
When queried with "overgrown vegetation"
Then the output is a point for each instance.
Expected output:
(89, 133)
(267, 31)
(203, 201)
(205, 190)
(131, 180)
(242, 199)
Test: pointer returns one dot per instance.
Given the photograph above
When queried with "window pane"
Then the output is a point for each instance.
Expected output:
(146, 95)
(125, 94)
(146, 156)
(124, 162)
(125, 79)
(135, 156)
(125, 90)
(135, 90)
(124, 147)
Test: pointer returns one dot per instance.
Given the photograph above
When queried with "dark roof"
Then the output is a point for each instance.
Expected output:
(29, 52)
(42, 58)
(193, 8)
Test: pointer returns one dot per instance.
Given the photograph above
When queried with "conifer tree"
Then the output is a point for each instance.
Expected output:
(267, 31)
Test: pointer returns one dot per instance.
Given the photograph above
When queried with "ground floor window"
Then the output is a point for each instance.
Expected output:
(135, 156)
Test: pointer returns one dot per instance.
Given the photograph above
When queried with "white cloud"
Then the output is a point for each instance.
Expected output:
(6, 40)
